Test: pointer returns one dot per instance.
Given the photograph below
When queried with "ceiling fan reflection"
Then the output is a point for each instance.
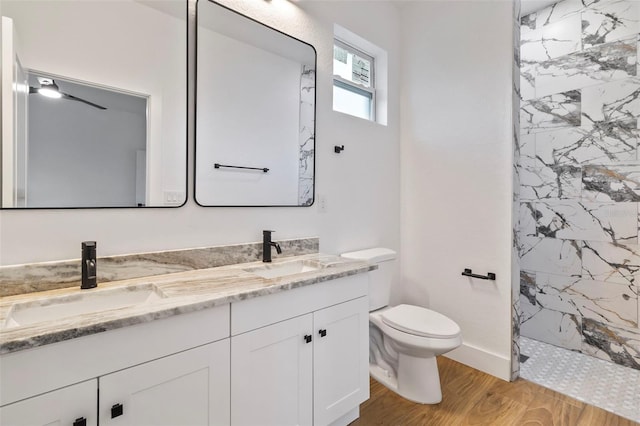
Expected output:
(50, 89)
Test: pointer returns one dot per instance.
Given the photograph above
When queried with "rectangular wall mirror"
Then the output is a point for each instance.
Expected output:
(255, 113)
(94, 103)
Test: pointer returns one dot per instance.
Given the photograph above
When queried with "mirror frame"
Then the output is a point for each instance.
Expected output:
(186, 139)
(195, 115)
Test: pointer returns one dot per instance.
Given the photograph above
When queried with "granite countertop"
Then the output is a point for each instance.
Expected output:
(182, 292)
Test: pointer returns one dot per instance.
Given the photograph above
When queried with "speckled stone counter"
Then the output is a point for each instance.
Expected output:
(181, 292)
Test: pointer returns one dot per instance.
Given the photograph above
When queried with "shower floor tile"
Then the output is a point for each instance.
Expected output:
(594, 381)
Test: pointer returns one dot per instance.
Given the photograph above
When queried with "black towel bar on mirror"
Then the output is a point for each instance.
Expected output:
(217, 166)
(469, 273)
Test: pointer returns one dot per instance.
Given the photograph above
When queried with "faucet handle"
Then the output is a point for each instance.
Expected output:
(88, 245)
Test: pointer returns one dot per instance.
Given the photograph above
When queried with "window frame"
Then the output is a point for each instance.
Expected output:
(354, 87)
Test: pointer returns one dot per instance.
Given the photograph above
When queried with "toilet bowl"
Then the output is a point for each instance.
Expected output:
(404, 340)
(416, 374)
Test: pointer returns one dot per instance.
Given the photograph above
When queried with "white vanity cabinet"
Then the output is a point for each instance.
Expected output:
(272, 375)
(74, 405)
(340, 359)
(301, 357)
(173, 371)
(188, 388)
(295, 357)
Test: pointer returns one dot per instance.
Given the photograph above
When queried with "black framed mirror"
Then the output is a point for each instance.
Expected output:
(95, 107)
(255, 113)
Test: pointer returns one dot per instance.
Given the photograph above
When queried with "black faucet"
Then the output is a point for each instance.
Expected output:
(266, 246)
(89, 265)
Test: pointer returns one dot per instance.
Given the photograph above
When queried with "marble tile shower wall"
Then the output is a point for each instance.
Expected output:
(515, 259)
(306, 140)
(578, 232)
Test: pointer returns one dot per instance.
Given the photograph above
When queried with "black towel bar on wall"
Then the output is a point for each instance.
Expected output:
(469, 273)
(217, 166)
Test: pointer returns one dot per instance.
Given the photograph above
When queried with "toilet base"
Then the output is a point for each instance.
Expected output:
(383, 377)
(418, 379)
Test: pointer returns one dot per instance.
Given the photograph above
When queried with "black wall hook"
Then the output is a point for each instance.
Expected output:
(469, 273)
(338, 149)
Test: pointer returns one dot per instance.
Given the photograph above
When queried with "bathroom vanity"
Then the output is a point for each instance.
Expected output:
(242, 344)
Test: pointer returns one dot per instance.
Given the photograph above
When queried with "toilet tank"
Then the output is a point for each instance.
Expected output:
(380, 279)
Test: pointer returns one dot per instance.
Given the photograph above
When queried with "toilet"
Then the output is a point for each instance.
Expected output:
(404, 340)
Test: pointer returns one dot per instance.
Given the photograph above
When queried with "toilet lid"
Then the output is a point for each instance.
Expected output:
(420, 321)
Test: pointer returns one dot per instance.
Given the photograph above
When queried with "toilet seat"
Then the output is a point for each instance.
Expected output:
(420, 321)
(412, 343)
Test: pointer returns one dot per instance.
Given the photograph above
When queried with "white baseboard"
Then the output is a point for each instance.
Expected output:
(347, 418)
(480, 359)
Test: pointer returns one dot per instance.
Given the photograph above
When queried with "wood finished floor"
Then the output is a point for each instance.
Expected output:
(470, 397)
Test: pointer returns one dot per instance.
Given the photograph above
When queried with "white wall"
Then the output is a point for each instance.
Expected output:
(248, 115)
(360, 185)
(456, 170)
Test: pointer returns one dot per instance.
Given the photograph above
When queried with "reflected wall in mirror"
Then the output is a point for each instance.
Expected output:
(94, 98)
(255, 114)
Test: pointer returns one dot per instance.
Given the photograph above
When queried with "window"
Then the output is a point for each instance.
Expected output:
(353, 81)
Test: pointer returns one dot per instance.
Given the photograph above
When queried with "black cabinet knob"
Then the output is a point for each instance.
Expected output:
(307, 338)
(117, 410)
(322, 332)
(80, 422)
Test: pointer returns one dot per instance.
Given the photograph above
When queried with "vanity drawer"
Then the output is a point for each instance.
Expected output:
(261, 311)
(44, 368)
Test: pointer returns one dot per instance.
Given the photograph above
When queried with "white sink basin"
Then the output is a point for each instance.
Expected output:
(284, 269)
(80, 303)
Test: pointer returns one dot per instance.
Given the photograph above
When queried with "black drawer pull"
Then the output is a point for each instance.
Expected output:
(80, 422)
(322, 332)
(117, 410)
(307, 338)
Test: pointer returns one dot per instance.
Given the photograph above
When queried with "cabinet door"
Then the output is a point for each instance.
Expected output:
(65, 407)
(188, 388)
(271, 374)
(341, 359)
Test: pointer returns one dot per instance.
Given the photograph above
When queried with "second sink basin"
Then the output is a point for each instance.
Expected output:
(81, 303)
(284, 269)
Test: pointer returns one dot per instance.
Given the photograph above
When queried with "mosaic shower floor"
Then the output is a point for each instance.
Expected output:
(594, 381)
